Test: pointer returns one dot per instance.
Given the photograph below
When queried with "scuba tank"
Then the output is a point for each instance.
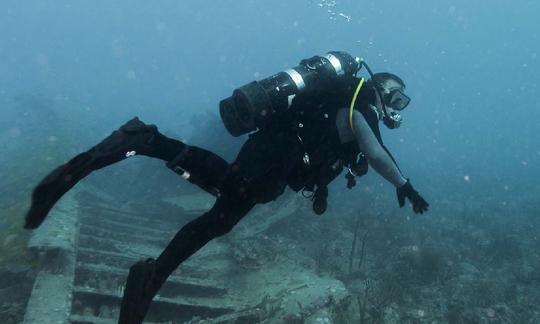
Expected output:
(252, 106)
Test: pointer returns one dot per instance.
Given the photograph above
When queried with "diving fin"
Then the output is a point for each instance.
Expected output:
(54, 186)
(141, 287)
(134, 137)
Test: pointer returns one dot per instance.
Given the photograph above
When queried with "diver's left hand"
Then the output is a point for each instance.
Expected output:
(419, 205)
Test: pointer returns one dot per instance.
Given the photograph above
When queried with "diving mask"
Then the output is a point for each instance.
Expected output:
(393, 98)
(396, 99)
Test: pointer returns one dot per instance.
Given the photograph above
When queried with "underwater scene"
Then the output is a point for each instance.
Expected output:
(308, 161)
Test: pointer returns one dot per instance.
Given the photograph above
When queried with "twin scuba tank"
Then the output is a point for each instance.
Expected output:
(251, 106)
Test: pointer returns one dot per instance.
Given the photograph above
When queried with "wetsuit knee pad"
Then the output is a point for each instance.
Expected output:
(200, 167)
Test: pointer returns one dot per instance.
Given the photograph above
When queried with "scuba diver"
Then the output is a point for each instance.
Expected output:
(305, 124)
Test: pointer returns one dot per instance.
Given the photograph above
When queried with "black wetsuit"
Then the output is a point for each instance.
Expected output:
(270, 160)
(301, 150)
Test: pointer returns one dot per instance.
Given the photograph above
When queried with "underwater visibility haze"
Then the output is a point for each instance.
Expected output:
(72, 72)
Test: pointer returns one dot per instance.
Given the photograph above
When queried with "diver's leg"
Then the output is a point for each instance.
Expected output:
(146, 277)
(134, 137)
(200, 167)
(256, 176)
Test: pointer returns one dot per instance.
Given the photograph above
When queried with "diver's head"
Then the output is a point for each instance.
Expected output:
(390, 98)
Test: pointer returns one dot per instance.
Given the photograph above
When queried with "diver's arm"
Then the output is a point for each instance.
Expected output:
(377, 157)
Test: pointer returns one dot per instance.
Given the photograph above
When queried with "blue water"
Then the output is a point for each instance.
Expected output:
(469, 142)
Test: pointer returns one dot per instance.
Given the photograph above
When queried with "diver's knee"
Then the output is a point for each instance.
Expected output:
(200, 167)
(228, 211)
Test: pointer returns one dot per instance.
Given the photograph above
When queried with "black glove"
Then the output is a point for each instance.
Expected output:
(418, 203)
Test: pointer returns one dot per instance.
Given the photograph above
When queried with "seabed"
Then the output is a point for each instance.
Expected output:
(85, 248)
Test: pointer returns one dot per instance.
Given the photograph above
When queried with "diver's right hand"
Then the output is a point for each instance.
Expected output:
(419, 205)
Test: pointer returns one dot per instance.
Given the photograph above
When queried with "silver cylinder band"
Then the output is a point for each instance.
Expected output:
(297, 78)
(335, 63)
